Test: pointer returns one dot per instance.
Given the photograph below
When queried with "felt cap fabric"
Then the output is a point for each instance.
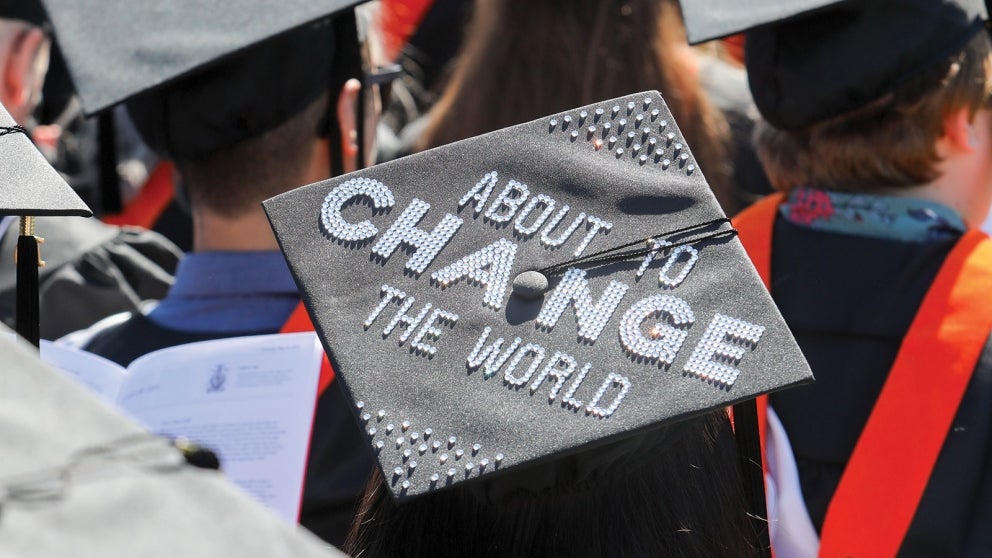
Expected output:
(531, 293)
(202, 75)
(28, 183)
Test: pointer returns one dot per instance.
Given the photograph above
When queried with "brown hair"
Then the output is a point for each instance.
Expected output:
(524, 59)
(235, 179)
(889, 143)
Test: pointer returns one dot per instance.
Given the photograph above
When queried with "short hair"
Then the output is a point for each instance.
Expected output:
(235, 179)
(234, 156)
(889, 143)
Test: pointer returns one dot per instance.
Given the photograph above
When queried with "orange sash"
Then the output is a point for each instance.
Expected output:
(299, 321)
(884, 480)
(154, 197)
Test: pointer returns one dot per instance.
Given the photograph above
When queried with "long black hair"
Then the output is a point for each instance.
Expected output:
(682, 497)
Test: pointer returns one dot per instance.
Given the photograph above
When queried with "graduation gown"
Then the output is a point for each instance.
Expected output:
(339, 462)
(92, 270)
(849, 301)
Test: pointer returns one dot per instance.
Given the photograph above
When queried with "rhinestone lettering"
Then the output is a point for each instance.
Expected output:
(508, 202)
(480, 193)
(573, 290)
(527, 231)
(490, 267)
(721, 349)
(663, 340)
(334, 223)
(427, 245)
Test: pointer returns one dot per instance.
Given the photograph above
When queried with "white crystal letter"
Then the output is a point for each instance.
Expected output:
(560, 367)
(489, 357)
(529, 349)
(573, 290)
(428, 332)
(721, 349)
(387, 295)
(563, 237)
(663, 340)
(427, 245)
(595, 225)
(663, 275)
(330, 212)
(613, 379)
(508, 201)
(528, 230)
(480, 193)
(489, 267)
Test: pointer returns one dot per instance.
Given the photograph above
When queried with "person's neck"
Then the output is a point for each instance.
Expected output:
(952, 189)
(249, 232)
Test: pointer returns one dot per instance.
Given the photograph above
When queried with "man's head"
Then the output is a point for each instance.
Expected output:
(24, 51)
(262, 121)
(893, 141)
(871, 95)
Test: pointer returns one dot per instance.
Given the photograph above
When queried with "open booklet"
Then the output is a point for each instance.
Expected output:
(250, 399)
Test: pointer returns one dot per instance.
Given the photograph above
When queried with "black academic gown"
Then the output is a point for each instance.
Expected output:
(92, 270)
(849, 300)
(339, 462)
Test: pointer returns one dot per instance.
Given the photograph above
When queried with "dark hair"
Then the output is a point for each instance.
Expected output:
(235, 179)
(889, 143)
(524, 59)
(683, 498)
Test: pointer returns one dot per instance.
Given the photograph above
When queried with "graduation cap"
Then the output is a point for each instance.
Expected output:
(200, 76)
(810, 60)
(78, 479)
(30, 187)
(532, 293)
(203, 74)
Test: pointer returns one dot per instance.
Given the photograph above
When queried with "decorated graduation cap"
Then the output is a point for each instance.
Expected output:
(810, 60)
(531, 293)
(200, 76)
(30, 187)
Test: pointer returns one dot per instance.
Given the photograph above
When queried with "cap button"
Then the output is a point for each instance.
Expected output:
(530, 285)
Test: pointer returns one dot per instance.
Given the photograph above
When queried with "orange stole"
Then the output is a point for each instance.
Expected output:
(884, 480)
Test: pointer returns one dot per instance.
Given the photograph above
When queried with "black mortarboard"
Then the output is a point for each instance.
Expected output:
(811, 60)
(407, 269)
(203, 75)
(30, 187)
(24, 10)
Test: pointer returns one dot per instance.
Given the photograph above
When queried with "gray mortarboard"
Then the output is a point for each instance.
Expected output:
(30, 187)
(811, 60)
(199, 76)
(78, 479)
(425, 275)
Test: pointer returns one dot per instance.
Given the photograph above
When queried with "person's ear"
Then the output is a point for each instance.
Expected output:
(20, 73)
(347, 113)
(959, 133)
